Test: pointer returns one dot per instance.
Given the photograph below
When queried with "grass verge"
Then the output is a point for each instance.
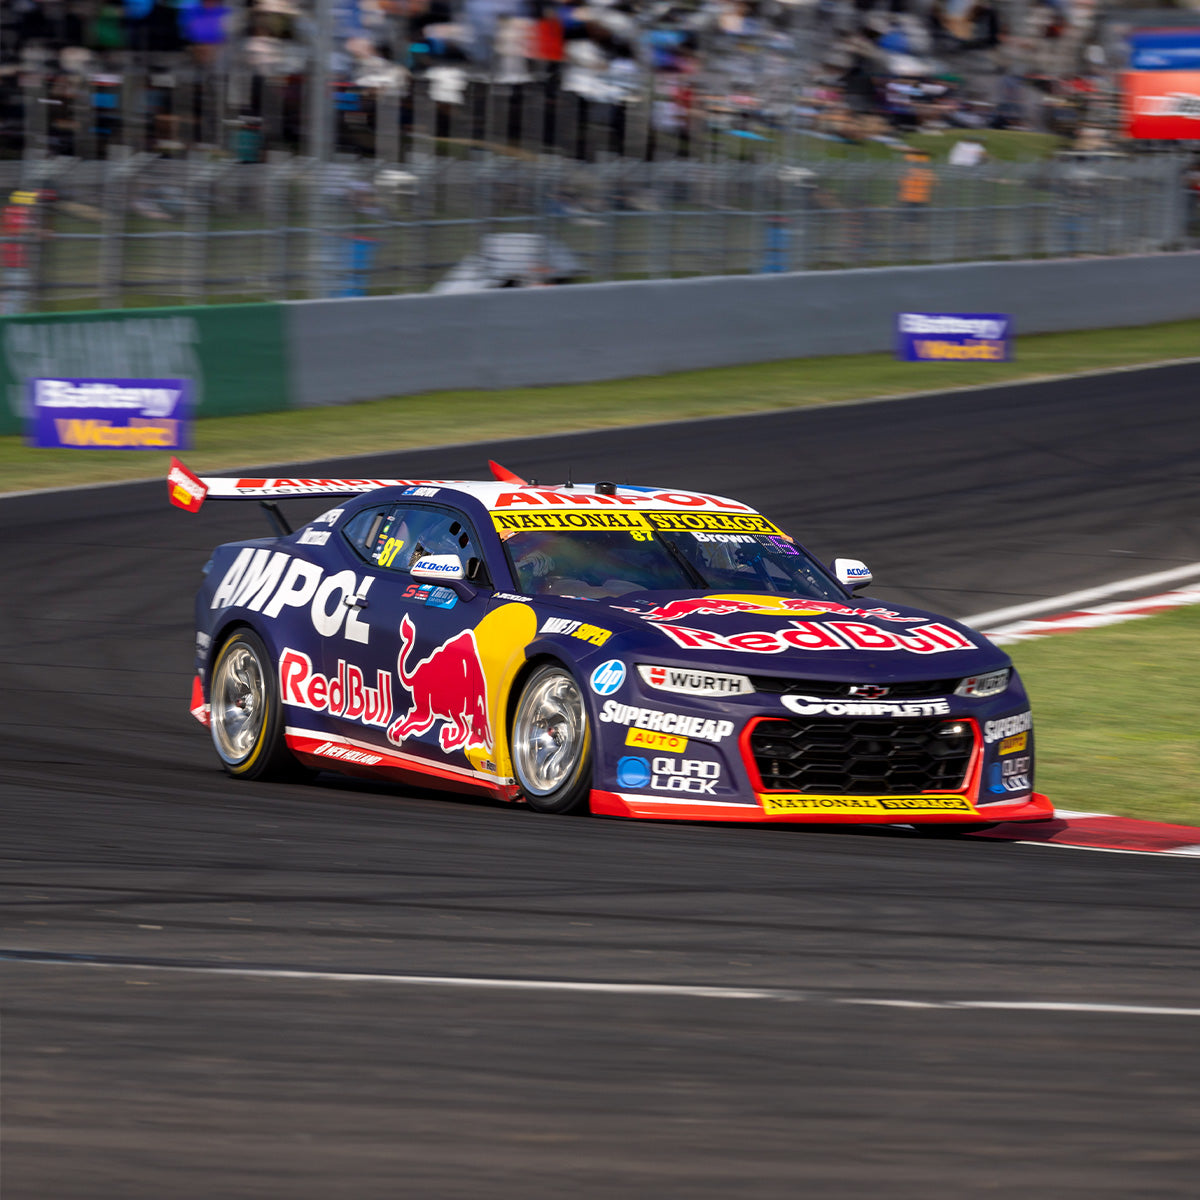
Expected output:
(223, 443)
(1114, 714)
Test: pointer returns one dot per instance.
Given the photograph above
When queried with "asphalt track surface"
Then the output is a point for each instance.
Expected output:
(837, 1053)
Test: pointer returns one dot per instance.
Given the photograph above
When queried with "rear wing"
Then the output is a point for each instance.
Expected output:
(189, 491)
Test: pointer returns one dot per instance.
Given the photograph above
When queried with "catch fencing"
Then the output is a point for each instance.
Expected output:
(139, 229)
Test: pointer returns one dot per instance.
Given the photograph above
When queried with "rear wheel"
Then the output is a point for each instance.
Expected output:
(552, 742)
(246, 717)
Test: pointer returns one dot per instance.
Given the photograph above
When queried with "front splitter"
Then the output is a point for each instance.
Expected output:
(625, 804)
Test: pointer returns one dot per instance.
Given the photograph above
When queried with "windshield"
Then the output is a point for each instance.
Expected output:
(596, 564)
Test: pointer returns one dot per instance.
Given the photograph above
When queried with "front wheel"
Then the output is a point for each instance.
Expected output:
(246, 717)
(552, 742)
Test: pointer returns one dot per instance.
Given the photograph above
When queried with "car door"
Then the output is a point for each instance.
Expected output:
(423, 651)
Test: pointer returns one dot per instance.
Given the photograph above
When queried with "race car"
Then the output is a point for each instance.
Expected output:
(620, 650)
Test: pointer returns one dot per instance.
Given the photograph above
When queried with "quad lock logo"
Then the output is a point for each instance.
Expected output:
(268, 582)
(693, 776)
(1010, 776)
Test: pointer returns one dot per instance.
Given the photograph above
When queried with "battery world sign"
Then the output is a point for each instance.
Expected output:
(110, 414)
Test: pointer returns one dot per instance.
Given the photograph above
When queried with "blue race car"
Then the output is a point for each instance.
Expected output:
(629, 651)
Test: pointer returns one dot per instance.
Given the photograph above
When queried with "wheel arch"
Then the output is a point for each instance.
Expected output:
(222, 634)
(538, 659)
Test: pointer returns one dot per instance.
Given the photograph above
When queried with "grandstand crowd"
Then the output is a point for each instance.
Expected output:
(847, 70)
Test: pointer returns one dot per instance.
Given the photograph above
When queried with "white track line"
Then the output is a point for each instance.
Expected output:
(1070, 600)
(624, 989)
(1096, 617)
(1178, 852)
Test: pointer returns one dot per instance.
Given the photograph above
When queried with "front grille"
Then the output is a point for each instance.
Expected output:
(824, 689)
(860, 756)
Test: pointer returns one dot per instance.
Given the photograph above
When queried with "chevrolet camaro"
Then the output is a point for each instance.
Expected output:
(626, 651)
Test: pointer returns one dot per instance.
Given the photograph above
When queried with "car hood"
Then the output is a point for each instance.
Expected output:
(771, 634)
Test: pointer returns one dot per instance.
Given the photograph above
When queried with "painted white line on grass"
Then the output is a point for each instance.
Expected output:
(1069, 600)
(684, 991)
(759, 412)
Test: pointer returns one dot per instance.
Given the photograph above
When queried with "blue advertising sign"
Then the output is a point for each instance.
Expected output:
(110, 414)
(953, 337)
(1165, 49)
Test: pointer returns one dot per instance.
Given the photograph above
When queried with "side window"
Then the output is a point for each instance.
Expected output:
(370, 530)
(394, 537)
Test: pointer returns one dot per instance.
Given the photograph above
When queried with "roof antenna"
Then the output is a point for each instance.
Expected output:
(568, 484)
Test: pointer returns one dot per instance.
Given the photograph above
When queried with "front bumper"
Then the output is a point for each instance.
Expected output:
(827, 810)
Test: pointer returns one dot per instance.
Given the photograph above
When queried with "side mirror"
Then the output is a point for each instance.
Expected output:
(851, 573)
(438, 566)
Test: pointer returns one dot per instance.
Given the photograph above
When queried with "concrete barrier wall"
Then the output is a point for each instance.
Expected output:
(346, 350)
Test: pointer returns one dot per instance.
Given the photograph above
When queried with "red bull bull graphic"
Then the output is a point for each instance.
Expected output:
(447, 686)
(785, 606)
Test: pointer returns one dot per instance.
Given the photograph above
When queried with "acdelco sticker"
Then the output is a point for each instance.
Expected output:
(1007, 727)
(268, 582)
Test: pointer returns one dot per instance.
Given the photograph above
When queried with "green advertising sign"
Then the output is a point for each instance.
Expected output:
(234, 354)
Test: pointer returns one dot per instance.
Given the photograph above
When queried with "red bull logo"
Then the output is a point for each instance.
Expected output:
(345, 694)
(448, 686)
(784, 606)
(835, 635)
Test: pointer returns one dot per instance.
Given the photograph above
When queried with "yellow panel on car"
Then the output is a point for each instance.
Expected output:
(890, 807)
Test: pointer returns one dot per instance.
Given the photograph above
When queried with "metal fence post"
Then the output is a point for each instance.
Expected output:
(112, 226)
(196, 214)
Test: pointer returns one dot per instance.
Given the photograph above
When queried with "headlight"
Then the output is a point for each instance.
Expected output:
(694, 683)
(978, 686)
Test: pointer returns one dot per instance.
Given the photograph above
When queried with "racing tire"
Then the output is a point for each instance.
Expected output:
(245, 716)
(552, 742)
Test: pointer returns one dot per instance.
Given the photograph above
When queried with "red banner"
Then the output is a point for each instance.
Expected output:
(1162, 104)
